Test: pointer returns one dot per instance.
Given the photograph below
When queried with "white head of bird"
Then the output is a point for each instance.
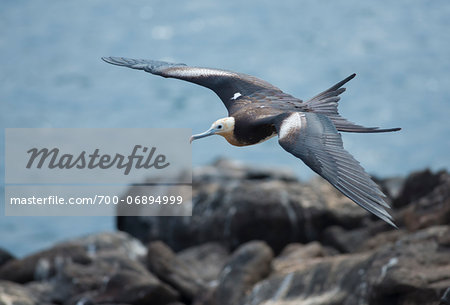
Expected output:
(223, 127)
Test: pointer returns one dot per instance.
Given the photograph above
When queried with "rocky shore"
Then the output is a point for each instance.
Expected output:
(257, 236)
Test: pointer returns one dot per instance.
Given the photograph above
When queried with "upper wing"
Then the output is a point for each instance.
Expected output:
(228, 85)
(313, 138)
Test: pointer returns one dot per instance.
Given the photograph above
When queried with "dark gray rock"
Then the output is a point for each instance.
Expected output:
(233, 204)
(15, 294)
(329, 280)
(5, 256)
(42, 264)
(88, 269)
(163, 262)
(98, 282)
(49, 291)
(133, 288)
(348, 241)
(309, 224)
(82, 251)
(413, 270)
(430, 209)
(249, 264)
(111, 244)
(295, 254)
(379, 239)
(391, 187)
(87, 298)
(417, 185)
(206, 261)
(75, 280)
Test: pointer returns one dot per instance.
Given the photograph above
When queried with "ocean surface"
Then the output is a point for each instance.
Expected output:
(51, 75)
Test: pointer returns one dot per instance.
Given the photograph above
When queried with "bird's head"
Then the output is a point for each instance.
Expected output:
(223, 127)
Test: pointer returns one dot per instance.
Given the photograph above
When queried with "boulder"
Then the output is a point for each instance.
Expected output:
(206, 261)
(430, 208)
(42, 264)
(5, 256)
(329, 251)
(249, 264)
(111, 244)
(13, 293)
(348, 241)
(233, 204)
(427, 209)
(417, 185)
(294, 254)
(391, 187)
(413, 270)
(135, 288)
(82, 251)
(75, 280)
(163, 262)
(101, 268)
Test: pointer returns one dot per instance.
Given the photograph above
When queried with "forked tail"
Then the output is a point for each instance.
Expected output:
(326, 103)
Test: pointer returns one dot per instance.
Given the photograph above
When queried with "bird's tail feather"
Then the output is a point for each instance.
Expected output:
(326, 103)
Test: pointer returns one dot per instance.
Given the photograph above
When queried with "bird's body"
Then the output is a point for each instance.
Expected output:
(258, 111)
(252, 125)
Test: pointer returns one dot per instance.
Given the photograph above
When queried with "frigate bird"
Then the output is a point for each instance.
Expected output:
(309, 130)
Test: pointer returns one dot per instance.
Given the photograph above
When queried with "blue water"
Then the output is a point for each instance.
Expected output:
(51, 75)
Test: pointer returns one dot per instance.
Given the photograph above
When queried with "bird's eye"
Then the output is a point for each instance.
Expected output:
(219, 126)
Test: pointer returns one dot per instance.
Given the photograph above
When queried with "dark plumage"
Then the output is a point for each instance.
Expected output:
(309, 130)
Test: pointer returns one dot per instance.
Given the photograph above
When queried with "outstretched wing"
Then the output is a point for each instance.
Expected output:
(228, 85)
(326, 103)
(313, 138)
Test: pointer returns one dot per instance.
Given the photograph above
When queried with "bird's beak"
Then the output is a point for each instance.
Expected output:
(207, 133)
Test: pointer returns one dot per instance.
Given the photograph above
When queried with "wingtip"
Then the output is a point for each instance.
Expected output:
(110, 60)
(124, 62)
(349, 78)
(388, 218)
(106, 59)
(391, 222)
(393, 129)
(343, 82)
(388, 129)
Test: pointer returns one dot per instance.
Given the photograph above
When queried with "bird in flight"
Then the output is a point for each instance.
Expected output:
(309, 130)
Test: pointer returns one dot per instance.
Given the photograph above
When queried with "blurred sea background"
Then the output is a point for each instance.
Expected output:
(51, 75)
